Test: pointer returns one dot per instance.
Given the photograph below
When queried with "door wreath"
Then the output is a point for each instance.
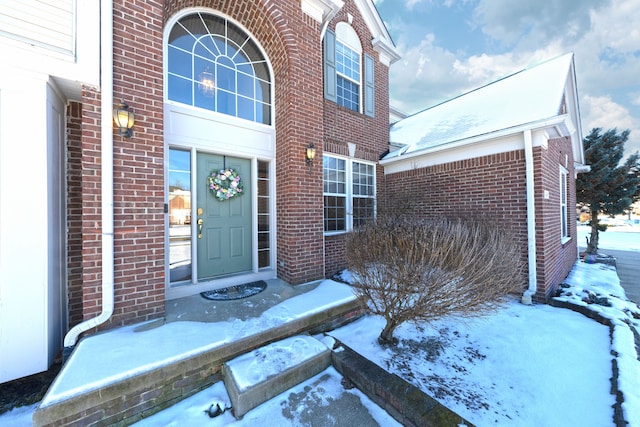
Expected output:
(225, 184)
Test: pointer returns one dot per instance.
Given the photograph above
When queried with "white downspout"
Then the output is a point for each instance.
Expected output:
(106, 131)
(531, 219)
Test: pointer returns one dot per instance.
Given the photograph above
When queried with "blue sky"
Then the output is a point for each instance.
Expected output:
(449, 47)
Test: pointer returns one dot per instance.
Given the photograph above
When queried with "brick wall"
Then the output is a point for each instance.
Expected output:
(90, 219)
(291, 41)
(335, 254)
(138, 173)
(554, 259)
(342, 126)
(139, 163)
(74, 212)
(490, 187)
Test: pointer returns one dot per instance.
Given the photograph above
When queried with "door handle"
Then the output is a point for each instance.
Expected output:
(200, 222)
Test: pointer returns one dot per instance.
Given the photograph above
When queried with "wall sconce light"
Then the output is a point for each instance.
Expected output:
(310, 155)
(124, 119)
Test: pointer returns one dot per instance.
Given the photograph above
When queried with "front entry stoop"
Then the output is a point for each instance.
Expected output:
(255, 377)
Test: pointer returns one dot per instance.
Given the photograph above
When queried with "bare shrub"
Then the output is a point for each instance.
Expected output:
(407, 270)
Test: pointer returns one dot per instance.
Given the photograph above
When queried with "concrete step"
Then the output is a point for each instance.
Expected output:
(255, 377)
(128, 396)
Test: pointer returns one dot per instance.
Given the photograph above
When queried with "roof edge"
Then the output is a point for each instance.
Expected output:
(537, 125)
(381, 40)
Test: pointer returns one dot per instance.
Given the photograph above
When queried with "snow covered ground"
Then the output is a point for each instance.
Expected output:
(523, 365)
(617, 238)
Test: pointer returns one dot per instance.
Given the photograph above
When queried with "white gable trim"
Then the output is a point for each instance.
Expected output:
(323, 11)
(381, 40)
(573, 109)
(387, 54)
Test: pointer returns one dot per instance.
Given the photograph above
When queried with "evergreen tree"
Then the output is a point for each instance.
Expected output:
(610, 187)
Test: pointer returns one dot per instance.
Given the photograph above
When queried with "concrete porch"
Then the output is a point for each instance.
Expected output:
(121, 376)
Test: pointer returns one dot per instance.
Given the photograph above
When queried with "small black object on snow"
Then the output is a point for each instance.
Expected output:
(215, 410)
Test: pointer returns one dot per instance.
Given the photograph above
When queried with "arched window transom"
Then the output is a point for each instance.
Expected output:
(213, 64)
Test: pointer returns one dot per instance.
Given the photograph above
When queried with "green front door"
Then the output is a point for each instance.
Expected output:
(223, 227)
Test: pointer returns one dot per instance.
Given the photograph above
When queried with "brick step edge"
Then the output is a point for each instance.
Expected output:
(409, 405)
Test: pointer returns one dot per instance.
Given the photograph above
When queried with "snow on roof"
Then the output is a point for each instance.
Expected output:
(530, 95)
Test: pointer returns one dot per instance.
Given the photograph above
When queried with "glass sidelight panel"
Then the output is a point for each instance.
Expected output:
(264, 218)
(179, 215)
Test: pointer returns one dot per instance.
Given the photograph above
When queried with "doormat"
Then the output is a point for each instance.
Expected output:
(236, 292)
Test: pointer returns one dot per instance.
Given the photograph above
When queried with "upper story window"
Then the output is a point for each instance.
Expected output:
(348, 74)
(213, 64)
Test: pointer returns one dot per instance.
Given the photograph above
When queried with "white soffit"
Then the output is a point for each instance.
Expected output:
(320, 10)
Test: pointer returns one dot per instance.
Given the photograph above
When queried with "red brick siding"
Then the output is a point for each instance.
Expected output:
(139, 163)
(484, 187)
(554, 259)
(342, 126)
(74, 212)
(335, 254)
(90, 219)
(292, 44)
(138, 173)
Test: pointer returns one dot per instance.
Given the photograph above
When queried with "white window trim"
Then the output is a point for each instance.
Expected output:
(356, 82)
(563, 184)
(349, 192)
(198, 110)
(347, 36)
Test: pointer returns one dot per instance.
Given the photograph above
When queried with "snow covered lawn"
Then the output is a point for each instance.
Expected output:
(523, 365)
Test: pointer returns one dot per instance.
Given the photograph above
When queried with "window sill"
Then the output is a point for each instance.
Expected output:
(334, 233)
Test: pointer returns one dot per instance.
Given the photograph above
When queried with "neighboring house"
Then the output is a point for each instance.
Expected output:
(507, 152)
(93, 223)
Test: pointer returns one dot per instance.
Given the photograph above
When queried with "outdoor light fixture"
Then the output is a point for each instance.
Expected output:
(310, 155)
(207, 83)
(123, 119)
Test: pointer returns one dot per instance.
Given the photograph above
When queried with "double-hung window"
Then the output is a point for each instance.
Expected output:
(348, 73)
(349, 193)
(347, 76)
(564, 224)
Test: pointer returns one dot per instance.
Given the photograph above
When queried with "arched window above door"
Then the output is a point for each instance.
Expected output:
(214, 64)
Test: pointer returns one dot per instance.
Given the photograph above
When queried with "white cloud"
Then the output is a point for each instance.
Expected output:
(484, 68)
(428, 74)
(411, 3)
(617, 26)
(603, 112)
(423, 76)
(529, 24)
(604, 36)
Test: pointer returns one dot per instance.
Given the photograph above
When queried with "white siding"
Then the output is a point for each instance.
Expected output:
(46, 23)
(23, 227)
